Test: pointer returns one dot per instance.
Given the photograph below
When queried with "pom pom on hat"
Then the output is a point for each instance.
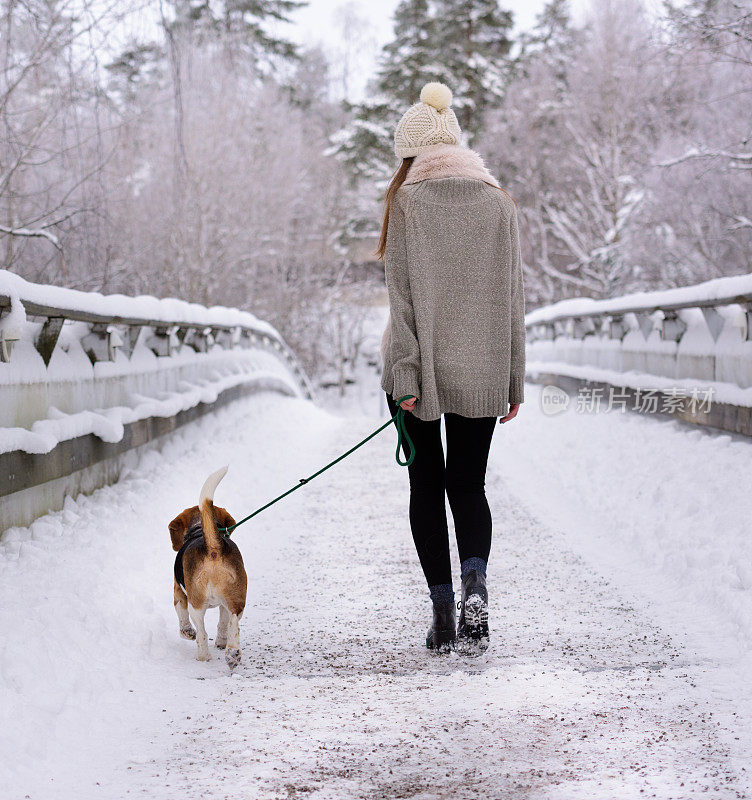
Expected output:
(427, 123)
(437, 95)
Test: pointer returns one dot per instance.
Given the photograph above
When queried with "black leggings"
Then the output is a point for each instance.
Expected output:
(462, 478)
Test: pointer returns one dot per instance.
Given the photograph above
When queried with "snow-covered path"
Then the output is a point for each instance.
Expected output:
(582, 695)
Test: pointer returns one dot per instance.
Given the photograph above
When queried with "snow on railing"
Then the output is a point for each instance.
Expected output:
(85, 377)
(718, 292)
(674, 341)
(169, 317)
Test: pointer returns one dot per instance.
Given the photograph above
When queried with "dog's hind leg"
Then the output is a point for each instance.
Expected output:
(224, 619)
(232, 652)
(181, 608)
(202, 640)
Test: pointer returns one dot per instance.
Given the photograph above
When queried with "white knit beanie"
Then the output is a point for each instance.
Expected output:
(429, 122)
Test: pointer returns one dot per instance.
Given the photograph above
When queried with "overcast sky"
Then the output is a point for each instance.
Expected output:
(320, 23)
(316, 21)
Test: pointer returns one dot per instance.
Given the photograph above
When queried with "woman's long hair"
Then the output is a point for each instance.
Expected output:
(394, 184)
(397, 180)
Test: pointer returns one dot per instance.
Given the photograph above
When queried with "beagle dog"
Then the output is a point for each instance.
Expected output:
(209, 572)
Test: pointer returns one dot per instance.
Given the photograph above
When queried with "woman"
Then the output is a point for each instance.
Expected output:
(455, 343)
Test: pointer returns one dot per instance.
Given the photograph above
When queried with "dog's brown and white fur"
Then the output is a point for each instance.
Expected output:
(213, 573)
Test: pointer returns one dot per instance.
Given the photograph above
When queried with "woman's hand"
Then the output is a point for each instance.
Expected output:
(409, 405)
(513, 409)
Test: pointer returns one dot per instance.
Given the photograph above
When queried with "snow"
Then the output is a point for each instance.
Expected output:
(82, 398)
(717, 289)
(225, 370)
(12, 323)
(40, 233)
(620, 611)
(377, 131)
(142, 307)
(695, 152)
(663, 511)
(70, 363)
(107, 423)
(662, 496)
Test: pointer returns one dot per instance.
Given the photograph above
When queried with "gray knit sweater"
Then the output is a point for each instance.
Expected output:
(456, 336)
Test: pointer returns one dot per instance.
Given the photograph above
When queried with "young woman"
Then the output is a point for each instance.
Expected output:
(455, 343)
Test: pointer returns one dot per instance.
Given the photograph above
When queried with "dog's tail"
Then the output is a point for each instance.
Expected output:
(206, 505)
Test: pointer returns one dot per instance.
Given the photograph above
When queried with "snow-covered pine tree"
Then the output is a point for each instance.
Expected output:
(365, 144)
(472, 56)
(463, 43)
(138, 63)
(245, 27)
(553, 40)
(250, 19)
(406, 64)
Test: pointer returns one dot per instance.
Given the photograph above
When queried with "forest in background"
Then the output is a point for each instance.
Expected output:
(206, 156)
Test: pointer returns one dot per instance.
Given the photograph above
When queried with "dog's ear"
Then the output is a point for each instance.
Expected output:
(224, 519)
(179, 526)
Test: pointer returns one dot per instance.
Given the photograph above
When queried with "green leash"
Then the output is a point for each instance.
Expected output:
(398, 419)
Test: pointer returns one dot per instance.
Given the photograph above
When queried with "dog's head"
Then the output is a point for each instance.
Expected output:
(186, 518)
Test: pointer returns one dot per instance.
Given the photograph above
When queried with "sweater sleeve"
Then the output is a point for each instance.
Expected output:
(517, 364)
(405, 351)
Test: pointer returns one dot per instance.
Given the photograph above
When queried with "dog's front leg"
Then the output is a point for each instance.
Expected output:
(181, 608)
(202, 640)
(224, 619)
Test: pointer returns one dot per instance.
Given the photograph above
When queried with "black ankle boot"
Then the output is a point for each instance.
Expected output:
(472, 629)
(442, 633)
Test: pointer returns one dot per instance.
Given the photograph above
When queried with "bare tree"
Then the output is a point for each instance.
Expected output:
(626, 144)
(52, 123)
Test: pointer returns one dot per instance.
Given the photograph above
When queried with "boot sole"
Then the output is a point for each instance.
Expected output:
(476, 614)
(476, 641)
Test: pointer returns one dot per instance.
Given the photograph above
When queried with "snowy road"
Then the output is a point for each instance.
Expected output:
(585, 692)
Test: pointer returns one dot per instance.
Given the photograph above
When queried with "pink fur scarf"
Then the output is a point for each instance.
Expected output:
(443, 161)
(448, 161)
